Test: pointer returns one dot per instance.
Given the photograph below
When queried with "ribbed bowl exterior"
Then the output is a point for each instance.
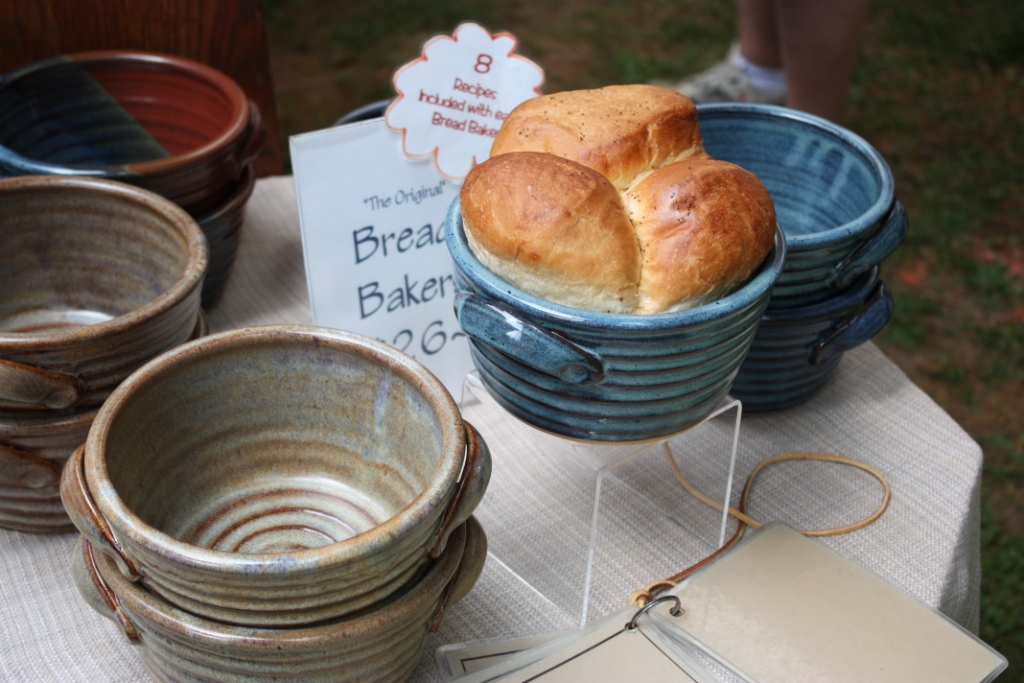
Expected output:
(663, 372)
(781, 370)
(35, 507)
(830, 187)
(381, 645)
(33, 504)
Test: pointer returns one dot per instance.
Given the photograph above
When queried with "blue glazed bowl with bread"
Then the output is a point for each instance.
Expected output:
(833, 192)
(603, 376)
(610, 274)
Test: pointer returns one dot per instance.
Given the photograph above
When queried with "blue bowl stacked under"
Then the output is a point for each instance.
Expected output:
(835, 199)
(796, 350)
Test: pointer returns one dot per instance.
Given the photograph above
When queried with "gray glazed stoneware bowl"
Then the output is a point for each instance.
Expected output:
(833, 193)
(796, 350)
(381, 645)
(276, 476)
(99, 277)
(34, 446)
(601, 376)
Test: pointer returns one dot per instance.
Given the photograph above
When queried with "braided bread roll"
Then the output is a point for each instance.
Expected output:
(605, 200)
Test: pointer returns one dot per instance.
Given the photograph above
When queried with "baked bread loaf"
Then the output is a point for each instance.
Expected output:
(621, 131)
(605, 200)
(703, 226)
(553, 228)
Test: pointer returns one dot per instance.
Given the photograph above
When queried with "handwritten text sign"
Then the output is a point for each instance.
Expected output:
(452, 99)
(373, 237)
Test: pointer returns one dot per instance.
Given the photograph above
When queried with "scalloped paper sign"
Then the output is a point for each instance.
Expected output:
(454, 96)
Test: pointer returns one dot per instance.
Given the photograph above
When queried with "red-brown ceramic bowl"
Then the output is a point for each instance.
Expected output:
(168, 124)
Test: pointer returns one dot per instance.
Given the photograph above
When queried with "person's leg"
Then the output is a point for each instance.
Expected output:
(751, 72)
(820, 41)
(758, 34)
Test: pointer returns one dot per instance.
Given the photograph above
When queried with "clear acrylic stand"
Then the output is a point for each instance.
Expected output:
(578, 521)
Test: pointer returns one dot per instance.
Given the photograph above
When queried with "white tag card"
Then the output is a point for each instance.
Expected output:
(373, 238)
(459, 659)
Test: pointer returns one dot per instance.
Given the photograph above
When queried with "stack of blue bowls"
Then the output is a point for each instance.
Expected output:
(835, 199)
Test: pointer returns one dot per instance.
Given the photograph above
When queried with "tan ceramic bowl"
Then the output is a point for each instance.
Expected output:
(98, 278)
(382, 644)
(276, 476)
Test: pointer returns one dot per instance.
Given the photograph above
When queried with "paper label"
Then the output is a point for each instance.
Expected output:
(373, 239)
(452, 99)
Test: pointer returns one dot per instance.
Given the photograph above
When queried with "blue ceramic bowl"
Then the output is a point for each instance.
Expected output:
(603, 376)
(833, 193)
(796, 350)
(373, 110)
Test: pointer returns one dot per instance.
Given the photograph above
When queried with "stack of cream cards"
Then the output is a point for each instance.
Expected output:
(778, 608)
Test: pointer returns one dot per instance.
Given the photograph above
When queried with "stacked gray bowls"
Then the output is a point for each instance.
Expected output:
(835, 199)
(273, 493)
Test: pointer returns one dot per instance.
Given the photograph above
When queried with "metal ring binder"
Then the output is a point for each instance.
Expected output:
(675, 611)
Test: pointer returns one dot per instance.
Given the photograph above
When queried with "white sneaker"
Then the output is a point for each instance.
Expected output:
(725, 82)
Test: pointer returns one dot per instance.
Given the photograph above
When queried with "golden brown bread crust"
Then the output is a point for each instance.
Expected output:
(543, 213)
(704, 226)
(553, 228)
(621, 131)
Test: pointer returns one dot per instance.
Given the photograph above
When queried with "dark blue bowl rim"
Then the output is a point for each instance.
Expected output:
(21, 164)
(863, 223)
(540, 309)
(850, 297)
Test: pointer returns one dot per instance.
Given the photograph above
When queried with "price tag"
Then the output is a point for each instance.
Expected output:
(452, 99)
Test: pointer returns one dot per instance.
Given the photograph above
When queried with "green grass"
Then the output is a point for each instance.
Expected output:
(939, 90)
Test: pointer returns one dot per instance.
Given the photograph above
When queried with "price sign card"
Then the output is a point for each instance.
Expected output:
(372, 214)
(373, 238)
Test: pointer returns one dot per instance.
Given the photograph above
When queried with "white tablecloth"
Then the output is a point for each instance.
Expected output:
(927, 543)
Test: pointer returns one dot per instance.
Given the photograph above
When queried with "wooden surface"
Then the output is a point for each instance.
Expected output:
(226, 34)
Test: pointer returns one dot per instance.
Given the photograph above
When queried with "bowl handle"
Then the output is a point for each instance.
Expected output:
(474, 555)
(527, 343)
(873, 250)
(27, 387)
(256, 136)
(476, 473)
(96, 592)
(81, 508)
(22, 469)
(868, 321)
